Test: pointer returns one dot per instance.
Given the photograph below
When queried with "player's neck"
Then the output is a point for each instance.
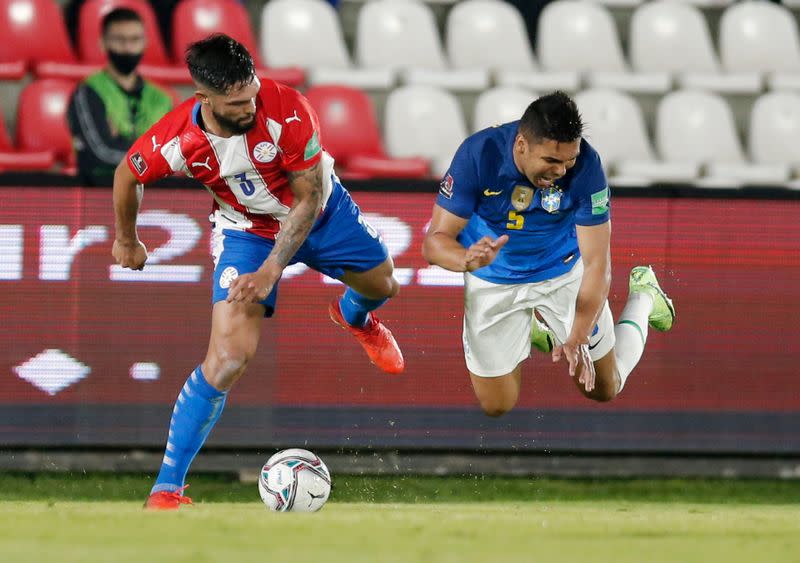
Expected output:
(211, 125)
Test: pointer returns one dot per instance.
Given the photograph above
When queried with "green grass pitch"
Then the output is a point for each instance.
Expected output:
(464, 520)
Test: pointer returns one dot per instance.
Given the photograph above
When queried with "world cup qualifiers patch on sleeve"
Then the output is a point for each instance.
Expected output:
(600, 202)
(446, 187)
(138, 162)
(312, 147)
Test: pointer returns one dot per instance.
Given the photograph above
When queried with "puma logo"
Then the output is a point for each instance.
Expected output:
(155, 143)
(487, 192)
(202, 164)
(293, 118)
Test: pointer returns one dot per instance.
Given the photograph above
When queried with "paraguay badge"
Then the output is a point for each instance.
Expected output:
(521, 197)
(551, 199)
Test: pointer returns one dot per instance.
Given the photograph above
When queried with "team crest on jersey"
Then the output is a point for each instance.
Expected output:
(138, 162)
(264, 151)
(446, 187)
(551, 199)
(521, 197)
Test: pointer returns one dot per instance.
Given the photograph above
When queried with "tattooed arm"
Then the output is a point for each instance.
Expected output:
(306, 186)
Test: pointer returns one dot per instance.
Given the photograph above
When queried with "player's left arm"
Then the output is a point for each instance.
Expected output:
(307, 188)
(594, 243)
(593, 228)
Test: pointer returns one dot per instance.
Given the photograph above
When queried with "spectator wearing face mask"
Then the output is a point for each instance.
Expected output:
(115, 106)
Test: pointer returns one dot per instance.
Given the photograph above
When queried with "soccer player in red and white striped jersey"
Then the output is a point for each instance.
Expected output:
(255, 147)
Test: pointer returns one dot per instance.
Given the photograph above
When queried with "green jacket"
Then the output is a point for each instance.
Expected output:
(105, 120)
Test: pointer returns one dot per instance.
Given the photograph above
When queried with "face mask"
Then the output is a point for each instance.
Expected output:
(125, 63)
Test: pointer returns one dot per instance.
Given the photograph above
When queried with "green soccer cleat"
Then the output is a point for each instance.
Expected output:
(643, 279)
(541, 337)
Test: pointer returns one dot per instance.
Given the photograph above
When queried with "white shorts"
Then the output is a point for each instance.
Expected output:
(497, 320)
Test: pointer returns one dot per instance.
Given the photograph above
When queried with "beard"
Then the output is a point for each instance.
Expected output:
(238, 127)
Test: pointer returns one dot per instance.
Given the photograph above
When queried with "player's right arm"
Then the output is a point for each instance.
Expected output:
(153, 156)
(455, 204)
(441, 247)
(128, 250)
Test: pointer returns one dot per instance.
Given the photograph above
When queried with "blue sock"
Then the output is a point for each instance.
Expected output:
(197, 409)
(355, 307)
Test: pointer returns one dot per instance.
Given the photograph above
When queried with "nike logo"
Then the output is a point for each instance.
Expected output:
(155, 144)
(488, 193)
(293, 118)
(202, 164)
(592, 347)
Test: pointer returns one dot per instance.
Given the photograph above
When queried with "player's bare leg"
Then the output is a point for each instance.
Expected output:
(497, 395)
(235, 330)
(607, 383)
(647, 306)
(354, 312)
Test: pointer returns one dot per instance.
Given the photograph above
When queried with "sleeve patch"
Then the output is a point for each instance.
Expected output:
(312, 147)
(600, 202)
(138, 162)
(446, 187)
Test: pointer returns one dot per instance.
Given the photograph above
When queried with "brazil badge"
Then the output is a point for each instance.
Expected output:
(551, 199)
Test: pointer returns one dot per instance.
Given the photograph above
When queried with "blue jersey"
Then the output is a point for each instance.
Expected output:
(484, 185)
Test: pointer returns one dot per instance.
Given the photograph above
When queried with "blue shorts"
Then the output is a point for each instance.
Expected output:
(340, 240)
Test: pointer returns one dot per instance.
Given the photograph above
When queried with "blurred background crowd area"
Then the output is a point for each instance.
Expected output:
(697, 92)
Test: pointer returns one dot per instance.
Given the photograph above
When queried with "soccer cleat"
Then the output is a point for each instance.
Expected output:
(541, 337)
(643, 279)
(375, 338)
(167, 500)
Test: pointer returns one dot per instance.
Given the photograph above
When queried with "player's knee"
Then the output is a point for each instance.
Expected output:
(497, 407)
(604, 391)
(601, 395)
(226, 367)
(393, 287)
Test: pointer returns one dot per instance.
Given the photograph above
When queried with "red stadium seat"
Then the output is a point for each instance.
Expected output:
(155, 62)
(33, 33)
(196, 19)
(349, 132)
(41, 119)
(12, 159)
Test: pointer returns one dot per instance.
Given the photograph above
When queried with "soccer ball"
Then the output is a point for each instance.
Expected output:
(294, 480)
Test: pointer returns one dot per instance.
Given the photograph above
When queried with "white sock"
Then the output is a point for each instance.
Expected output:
(631, 333)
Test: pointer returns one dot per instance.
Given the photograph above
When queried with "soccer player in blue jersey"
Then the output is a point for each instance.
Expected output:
(524, 212)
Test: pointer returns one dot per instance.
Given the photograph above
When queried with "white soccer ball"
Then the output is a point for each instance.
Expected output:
(294, 480)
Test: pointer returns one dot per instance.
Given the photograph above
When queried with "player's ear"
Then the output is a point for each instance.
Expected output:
(520, 144)
(201, 97)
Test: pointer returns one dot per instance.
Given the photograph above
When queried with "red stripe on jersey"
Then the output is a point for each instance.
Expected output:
(246, 173)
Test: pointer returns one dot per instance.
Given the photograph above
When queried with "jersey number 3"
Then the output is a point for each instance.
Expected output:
(245, 185)
(515, 221)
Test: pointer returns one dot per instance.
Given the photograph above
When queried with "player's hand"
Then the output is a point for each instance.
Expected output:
(483, 252)
(129, 254)
(577, 355)
(252, 288)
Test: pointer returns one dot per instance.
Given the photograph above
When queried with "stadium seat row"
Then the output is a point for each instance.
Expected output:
(35, 39)
(398, 41)
(577, 44)
(695, 136)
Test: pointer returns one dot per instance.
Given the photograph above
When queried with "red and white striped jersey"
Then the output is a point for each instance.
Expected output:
(246, 173)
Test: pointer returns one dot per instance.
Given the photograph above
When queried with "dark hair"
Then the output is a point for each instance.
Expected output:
(220, 63)
(118, 15)
(555, 117)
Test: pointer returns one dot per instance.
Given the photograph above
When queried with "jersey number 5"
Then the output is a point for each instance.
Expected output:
(515, 221)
